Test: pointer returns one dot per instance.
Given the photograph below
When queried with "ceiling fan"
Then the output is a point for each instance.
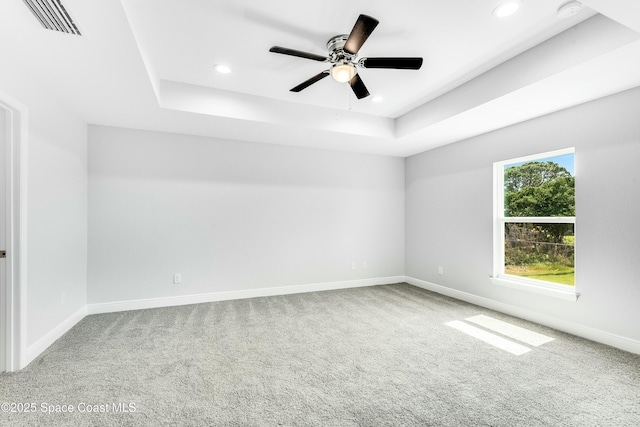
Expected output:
(343, 52)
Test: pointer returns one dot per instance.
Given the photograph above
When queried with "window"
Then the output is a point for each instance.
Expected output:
(534, 223)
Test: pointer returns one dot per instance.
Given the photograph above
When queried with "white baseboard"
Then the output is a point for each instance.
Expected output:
(593, 334)
(111, 307)
(35, 349)
(623, 343)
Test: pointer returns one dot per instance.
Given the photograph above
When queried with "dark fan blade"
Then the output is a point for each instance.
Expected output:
(311, 81)
(360, 33)
(298, 53)
(397, 63)
(358, 87)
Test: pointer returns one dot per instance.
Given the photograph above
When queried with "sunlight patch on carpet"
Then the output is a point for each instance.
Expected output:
(512, 331)
(489, 338)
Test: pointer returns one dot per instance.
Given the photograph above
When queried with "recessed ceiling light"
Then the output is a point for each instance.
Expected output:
(507, 8)
(377, 99)
(222, 69)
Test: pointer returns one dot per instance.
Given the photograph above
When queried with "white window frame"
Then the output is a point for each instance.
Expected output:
(565, 292)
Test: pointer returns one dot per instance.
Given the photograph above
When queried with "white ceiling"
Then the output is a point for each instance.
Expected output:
(148, 64)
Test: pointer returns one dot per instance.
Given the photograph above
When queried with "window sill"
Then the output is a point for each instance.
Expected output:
(561, 292)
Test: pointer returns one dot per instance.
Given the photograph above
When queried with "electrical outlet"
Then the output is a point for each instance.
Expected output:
(440, 270)
(177, 279)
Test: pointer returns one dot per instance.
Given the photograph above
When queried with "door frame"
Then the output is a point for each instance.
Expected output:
(16, 233)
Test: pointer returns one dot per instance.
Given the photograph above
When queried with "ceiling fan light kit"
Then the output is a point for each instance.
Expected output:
(342, 73)
(342, 55)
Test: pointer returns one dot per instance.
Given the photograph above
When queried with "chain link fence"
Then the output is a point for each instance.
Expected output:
(532, 243)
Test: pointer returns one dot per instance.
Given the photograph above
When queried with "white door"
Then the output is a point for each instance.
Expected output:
(3, 239)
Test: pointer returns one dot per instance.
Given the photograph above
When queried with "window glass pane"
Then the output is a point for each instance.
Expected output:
(540, 251)
(544, 187)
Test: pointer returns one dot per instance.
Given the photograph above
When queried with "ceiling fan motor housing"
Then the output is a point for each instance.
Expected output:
(337, 54)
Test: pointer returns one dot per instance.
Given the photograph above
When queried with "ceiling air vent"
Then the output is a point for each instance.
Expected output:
(52, 15)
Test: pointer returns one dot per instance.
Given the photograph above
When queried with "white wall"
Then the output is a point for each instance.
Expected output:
(232, 216)
(449, 212)
(56, 210)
